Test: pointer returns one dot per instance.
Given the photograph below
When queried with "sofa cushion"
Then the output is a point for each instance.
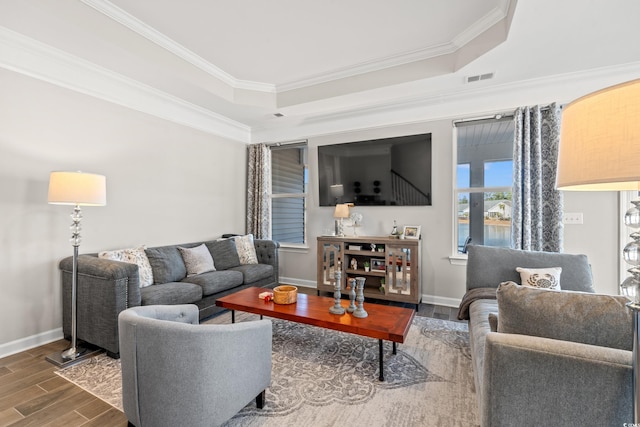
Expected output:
(224, 253)
(246, 249)
(602, 320)
(167, 264)
(254, 272)
(133, 256)
(216, 281)
(197, 260)
(171, 293)
(488, 266)
(546, 278)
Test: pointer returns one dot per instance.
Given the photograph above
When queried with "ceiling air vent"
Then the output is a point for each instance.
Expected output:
(478, 77)
(278, 114)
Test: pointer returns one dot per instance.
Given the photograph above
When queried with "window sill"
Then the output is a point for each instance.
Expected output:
(458, 259)
(294, 248)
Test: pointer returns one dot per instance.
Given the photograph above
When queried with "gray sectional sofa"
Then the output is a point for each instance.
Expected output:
(107, 287)
(545, 357)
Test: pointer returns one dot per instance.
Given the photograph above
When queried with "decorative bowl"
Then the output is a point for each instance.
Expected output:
(285, 294)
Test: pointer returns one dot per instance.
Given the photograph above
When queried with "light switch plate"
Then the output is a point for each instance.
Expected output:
(572, 218)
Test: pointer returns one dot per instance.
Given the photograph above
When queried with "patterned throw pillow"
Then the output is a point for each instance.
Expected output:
(246, 249)
(133, 256)
(545, 278)
(198, 260)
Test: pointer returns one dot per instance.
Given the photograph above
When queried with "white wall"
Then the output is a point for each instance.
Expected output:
(442, 281)
(166, 184)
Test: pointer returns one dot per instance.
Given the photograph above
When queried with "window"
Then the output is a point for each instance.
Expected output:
(289, 179)
(484, 176)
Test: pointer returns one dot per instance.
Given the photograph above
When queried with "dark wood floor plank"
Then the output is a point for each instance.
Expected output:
(19, 383)
(9, 416)
(39, 403)
(112, 418)
(53, 412)
(70, 419)
(93, 409)
(15, 399)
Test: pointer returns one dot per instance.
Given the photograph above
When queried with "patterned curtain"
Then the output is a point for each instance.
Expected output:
(536, 222)
(258, 190)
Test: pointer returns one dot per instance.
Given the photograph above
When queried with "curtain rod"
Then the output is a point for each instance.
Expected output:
(278, 144)
(497, 116)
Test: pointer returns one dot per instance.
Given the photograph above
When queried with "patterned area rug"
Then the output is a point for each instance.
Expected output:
(325, 378)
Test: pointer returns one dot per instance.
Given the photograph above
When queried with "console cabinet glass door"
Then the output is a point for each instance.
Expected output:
(330, 256)
(398, 270)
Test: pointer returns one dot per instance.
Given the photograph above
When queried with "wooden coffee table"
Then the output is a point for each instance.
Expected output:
(384, 322)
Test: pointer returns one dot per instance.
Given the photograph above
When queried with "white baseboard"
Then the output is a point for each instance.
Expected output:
(27, 343)
(444, 301)
(298, 282)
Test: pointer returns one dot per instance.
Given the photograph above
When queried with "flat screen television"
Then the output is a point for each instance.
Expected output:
(380, 172)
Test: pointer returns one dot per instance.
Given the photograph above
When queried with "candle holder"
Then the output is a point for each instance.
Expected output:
(352, 295)
(337, 308)
(360, 311)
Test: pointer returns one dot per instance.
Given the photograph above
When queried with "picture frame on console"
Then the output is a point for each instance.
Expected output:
(411, 232)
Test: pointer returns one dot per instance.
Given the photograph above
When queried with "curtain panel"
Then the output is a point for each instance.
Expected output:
(536, 222)
(258, 191)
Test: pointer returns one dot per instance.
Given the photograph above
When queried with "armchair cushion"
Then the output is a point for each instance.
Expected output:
(601, 320)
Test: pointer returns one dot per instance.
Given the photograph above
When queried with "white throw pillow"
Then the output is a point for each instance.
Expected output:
(198, 260)
(246, 249)
(544, 278)
(133, 256)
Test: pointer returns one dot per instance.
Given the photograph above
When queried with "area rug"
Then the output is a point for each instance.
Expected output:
(328, 378)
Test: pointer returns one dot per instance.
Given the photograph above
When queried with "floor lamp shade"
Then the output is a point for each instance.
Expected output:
(77, 188)
(600, 141)
(600, 151)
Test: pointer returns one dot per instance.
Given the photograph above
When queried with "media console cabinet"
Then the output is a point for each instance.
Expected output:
(393, 266)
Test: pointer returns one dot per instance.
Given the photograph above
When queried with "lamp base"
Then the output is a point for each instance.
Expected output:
(70, 357)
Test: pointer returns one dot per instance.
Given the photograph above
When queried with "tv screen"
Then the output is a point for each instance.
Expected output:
(379, 172)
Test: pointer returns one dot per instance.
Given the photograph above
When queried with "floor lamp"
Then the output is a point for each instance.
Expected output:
(600, 151)
(76, 189)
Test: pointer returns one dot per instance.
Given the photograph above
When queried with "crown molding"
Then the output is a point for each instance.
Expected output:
(489, 20)
(451, 104)
(30, 57)
(134, 24)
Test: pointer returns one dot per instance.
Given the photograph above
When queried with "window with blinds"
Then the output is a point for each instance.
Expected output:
(289, 179)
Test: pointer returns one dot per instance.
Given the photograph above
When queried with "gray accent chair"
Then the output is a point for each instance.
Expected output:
(176, 372)
(530, 380)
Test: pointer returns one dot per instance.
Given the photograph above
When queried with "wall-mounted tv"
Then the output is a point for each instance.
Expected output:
(380, 172)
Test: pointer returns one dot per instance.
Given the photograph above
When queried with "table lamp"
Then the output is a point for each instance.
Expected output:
(341, 212)
(76, 189)
(600, 151)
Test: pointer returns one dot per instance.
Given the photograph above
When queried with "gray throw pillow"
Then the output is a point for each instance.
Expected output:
(167, 264)
(197, 260)
(602, 320)
(224, 253)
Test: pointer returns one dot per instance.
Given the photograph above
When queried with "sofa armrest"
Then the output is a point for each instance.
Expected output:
(105, 288)
(267, 253)
(540, 381)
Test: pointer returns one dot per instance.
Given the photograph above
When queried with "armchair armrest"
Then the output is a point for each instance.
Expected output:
(540, 381)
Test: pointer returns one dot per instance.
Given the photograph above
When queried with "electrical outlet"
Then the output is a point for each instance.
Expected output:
(572, 218)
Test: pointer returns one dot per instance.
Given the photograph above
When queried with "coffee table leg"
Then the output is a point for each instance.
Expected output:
(233, 316)
(394, 348)
(380, 358)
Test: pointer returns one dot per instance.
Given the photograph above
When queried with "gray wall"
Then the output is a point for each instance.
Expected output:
(165, 184)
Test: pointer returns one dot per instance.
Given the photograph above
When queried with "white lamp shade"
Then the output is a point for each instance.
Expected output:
(77, 188)
(342, 211)
(600, 141)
